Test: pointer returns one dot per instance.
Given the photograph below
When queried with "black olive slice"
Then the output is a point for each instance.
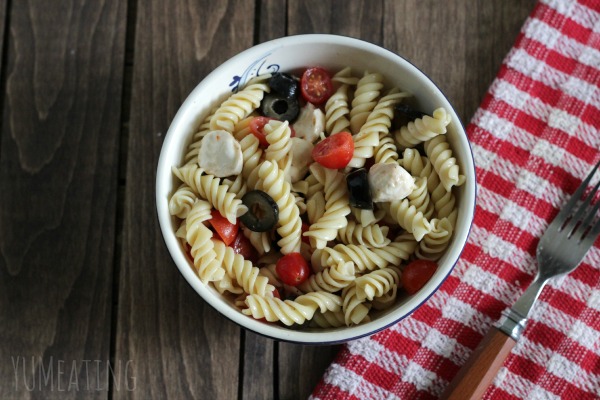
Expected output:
(263, 212)
(280, 107)
(284, 84)
(358, 188)
(409, 112)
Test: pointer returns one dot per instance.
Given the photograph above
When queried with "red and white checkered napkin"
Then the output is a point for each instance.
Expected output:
(535, 137)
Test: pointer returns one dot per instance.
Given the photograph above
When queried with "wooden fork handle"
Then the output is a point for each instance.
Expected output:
(481, 368)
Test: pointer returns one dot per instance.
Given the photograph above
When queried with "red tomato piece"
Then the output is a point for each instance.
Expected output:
(305, 228)
(241, 245)
(225, 229)
(292, 269)
(417, 274)
(276, 293)
(335, 151)
(257, 127)
(316, 86)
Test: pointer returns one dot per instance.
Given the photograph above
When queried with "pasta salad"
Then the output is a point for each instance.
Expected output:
(314, 199)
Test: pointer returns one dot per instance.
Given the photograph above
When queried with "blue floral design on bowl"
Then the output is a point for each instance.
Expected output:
(258, 67)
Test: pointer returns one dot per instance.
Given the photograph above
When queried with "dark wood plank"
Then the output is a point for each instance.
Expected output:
(181, 348)
(460, 45)
(58, 178)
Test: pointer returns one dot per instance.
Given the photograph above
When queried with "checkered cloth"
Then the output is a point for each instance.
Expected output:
(535, 137)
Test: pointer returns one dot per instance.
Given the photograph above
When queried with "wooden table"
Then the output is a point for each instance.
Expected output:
(91, 304)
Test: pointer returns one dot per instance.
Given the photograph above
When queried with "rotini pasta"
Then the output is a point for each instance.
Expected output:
(330, 279)
(423, 129)
(210, 188)
(291, 311)
(239, 105)
(356, 255)
(370, 235)
(290, 224)
(377, 283)
(336, 207)
(199, 237)
(181, 201)
(439, 152)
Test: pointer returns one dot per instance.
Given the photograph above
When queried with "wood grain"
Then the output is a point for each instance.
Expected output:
(58, 168)
(73, 228)
(481, 368)
(181, 348)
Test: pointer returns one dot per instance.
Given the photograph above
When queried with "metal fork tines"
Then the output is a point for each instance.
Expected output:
(562, 247)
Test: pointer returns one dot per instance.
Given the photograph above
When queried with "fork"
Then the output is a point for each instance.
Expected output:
(562, 247)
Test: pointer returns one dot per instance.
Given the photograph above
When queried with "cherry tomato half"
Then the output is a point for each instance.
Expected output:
(225, 229)
(334, 152)
(257, 127)
(315, 86)
(241, 245)
(417, 274)
(292, 269)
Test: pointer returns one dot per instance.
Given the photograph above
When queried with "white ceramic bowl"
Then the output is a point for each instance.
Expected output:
(289, 54)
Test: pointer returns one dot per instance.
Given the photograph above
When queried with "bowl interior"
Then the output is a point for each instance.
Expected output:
(290, 54)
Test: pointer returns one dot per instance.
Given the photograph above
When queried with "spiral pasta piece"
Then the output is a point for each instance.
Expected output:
(366, 141)
(260, 240)
(386, 151)
(423, 129)
(362, 257)
(419, 198)
(291, 312)
(370, 235)
(435, 243)
(242, 128)
(337, 111)
(355, 310)
(344, 76)
(377, 283)
(404, 246)
(239, 105)
(367, 217)
(278, 134)
(409, 218)
(237, 186)
(444, 202)
(330, 279)
(244, 273)
(439, 152)
(199, 238)
(386, 300)
(182, 201)
(226, 284)
(289, 224)
(364, 101)
(416, 164)
(269, 271)
(336, 207)
(328, 319)
(210, 188)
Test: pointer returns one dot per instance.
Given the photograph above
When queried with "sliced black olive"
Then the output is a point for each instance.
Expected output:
(263, 212)
(409, 112)
(280, 107)
(285, 85)
(358, 187)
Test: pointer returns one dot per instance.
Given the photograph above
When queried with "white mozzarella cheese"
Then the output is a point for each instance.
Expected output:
(220, 154)
(389, 182)
(310, 123)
